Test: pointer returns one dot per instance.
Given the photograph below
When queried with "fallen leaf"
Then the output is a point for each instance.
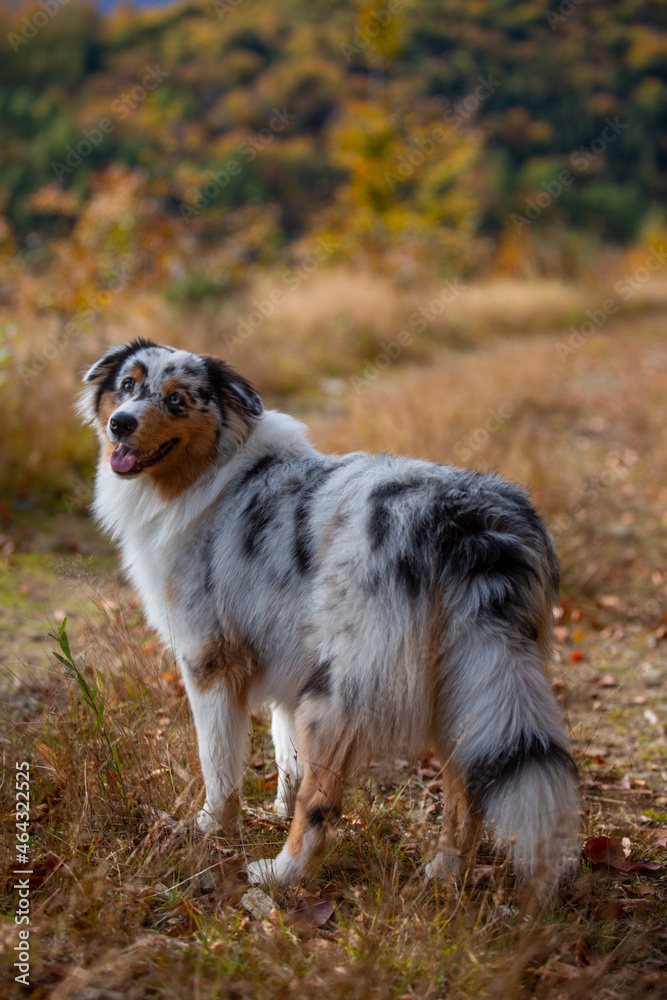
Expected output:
(315, 915)
(642, 866)
(605, 851)
(611, 852)
(659, 838)
(560, 971)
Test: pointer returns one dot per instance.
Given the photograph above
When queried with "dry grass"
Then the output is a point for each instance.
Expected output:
(334, 326)
(129, 902)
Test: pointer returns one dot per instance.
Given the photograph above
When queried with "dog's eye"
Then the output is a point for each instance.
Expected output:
(175, 400)
(127, 385)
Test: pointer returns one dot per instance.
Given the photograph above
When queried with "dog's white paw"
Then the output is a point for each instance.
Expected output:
(282, 807)
(262, 872)
(282, 870)
(206, 821)
(444, 865)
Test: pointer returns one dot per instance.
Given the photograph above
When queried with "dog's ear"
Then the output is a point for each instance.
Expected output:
(228, 386)
(114, 357)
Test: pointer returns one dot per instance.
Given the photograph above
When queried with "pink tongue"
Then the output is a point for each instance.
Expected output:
(123, 458)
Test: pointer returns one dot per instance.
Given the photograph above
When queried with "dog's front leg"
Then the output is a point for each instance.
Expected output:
(222, 726)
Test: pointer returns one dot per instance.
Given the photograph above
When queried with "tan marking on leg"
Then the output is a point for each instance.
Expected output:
(228, 657)
(461, 826)
(326, 765)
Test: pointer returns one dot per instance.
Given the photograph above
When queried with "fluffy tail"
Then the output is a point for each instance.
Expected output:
(504, 724)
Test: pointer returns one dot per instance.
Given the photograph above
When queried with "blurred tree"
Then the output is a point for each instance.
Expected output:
(409, 192)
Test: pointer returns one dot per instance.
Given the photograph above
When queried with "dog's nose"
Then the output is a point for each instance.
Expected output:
(123, 424)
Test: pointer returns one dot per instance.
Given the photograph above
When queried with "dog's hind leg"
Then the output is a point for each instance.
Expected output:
(318, 808)
(290, 770)
(461, 830)
(222, 730)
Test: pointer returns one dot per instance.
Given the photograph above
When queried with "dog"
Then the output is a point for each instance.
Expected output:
(379, 604)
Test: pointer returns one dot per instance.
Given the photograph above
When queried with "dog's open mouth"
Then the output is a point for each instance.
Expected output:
(127, 461)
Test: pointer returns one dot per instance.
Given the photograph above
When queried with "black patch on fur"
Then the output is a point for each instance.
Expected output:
(425, 524)
(410, 574)
(208, 563)
(188, 368)
(257, 516)
(379, 521)
(319, 683)
(304, 549)
(318, 816)
(225, 382)
(487, 775)
(261, 466)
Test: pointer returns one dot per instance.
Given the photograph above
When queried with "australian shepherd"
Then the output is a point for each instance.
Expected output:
(379, 604)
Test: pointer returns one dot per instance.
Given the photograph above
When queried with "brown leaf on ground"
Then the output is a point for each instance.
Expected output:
(642, 866)
(315, 915)
(605, 851)
(610, 852)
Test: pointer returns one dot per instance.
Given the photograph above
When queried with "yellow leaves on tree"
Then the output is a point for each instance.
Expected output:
(410, 189)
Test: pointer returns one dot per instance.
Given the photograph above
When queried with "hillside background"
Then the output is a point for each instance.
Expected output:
(156, 164)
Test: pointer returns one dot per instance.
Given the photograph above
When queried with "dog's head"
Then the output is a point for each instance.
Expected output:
(165, 413)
